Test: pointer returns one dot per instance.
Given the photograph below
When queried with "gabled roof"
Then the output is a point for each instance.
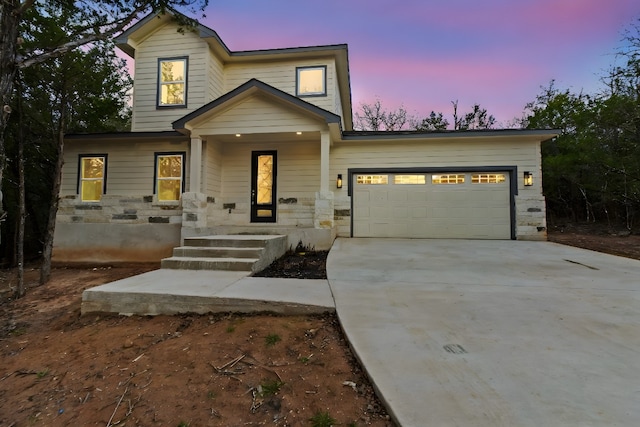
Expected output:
(252, 87)
(129, 39)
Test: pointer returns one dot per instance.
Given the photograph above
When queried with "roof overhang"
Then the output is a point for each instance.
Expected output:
(170, 136)
(533, 135)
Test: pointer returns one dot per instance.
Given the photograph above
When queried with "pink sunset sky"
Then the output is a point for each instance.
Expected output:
(423, 54)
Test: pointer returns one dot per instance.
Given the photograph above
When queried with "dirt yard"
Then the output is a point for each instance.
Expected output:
(614, 242)
(59, 369)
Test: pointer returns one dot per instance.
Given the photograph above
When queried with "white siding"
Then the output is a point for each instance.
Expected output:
(257, 115)
(446, 152)
(213, 169)
(298, 177)
(130, 167)
(215, 78)
(282, 75)
(167, 43)
(437, 153)
(298, 169)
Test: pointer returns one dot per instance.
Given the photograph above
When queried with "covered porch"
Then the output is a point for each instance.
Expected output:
(259, 164)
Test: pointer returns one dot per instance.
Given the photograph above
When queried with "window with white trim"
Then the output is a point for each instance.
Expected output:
(92, 184)
(311, 81)
(172, 82)
(169, 176)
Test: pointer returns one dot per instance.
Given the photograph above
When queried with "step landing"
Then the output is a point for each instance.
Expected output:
(251, 253)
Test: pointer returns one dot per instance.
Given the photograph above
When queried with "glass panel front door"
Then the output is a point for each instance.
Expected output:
(263, 186)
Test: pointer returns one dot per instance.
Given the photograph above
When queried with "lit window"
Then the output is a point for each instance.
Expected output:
(172, 82)
(409, 179)
(311, 81)
(372, 179)
(447, 179)
(488, 178)
(92, 174)
(169, 173)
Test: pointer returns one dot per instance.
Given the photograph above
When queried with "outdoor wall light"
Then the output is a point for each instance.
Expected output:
(528, 179)
(339, 181)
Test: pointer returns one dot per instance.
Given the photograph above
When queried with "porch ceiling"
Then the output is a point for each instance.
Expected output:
(264, 137)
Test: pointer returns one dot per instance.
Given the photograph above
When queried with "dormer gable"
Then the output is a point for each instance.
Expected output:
(257, 99)
(178, 72)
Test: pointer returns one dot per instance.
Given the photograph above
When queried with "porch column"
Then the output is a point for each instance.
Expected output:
(323, 217)
(325, 143)
(195, 166)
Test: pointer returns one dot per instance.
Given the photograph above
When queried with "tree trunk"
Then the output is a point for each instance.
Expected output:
(45, 269)
(9, 20)
(21, 289)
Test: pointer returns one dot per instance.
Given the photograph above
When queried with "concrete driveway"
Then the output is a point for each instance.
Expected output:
(493, 333)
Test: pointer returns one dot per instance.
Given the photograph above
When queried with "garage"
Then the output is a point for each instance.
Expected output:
(470, 204)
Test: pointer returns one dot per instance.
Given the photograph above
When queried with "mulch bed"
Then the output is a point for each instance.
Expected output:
(298, 265)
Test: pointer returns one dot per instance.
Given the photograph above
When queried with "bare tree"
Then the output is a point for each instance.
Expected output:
(477, 118)
(375, 118)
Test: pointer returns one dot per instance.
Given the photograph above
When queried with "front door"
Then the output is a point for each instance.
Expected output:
(263, 186)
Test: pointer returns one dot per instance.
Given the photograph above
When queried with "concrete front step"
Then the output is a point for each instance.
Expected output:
(217, 252)
(227, 252)
(204, 263)
(232, 240)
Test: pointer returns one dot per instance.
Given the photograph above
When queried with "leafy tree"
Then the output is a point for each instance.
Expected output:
(435, 122)
(82, 90)
(477, 118)
(565, 159)
(592, 170)
(95, 20)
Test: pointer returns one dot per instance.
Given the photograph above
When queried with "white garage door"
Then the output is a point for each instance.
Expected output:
(469, 205)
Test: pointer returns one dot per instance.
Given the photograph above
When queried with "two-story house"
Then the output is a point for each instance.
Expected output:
(262, 142)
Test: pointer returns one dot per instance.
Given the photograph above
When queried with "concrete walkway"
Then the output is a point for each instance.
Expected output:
(492, 333)
(169, 291)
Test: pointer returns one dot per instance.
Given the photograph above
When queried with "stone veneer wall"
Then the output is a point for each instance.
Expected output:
(118, 210)
(531, 218)
(116, 229)
(342, 215)
(291, 212)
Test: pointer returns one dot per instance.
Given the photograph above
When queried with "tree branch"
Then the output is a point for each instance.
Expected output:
(24, 6)
(82, 40)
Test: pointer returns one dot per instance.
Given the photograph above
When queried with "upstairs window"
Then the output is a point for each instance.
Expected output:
(311, 81)
(169, 176)
(91, 184)
(172, 82)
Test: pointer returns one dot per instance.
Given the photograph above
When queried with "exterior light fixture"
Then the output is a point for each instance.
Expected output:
(238, 135)
(298, 133)
(339, 181)
(528, 179)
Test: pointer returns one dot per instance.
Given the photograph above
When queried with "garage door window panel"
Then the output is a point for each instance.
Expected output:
(372, 179)
(488, 178)
(447, 179)
(409, 179)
